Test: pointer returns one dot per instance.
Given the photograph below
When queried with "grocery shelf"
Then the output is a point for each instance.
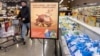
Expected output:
(12, 17)
(94, 29)
(97, 15)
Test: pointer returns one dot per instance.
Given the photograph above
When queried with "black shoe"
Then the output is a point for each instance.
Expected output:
(0, 47)
(24, 43)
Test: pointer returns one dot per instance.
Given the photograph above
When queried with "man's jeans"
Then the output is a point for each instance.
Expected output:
(24, 29)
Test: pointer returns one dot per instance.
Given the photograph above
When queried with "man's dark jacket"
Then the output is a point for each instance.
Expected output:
(24, 13)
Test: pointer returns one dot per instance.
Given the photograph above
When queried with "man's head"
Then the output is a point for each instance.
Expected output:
(23, 3)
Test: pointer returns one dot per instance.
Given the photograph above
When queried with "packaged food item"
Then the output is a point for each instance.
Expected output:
(92, 21)
(78, 53)
(6, 26)
(97, 24)
(86, 52)
(10, 32)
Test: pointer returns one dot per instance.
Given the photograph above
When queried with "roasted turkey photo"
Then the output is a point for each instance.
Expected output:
(44, 20)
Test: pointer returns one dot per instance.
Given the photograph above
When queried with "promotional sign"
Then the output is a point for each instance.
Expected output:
(44, 20)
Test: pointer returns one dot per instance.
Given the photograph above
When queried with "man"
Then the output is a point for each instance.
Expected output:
(24, 14)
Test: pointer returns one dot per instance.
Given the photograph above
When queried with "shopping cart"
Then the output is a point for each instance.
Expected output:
(9, 30)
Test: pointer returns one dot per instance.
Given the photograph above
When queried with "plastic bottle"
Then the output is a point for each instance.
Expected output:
(47, 33)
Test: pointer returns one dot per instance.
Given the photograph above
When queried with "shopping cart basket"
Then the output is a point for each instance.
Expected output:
(9, 29)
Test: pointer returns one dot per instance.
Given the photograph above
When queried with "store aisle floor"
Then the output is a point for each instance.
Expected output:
(32, 48)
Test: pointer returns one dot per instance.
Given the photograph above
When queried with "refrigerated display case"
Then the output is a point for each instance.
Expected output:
(79, 39)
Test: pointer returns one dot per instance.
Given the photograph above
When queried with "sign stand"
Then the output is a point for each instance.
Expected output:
(44, 54)
(43, 47)
(39, 30)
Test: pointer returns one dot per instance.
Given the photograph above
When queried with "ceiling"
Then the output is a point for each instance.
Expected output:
(86, 2)
(80, 3)
(64, 2)
(10, 0)
(73, 3)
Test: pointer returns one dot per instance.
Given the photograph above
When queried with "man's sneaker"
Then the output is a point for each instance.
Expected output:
(24, 43)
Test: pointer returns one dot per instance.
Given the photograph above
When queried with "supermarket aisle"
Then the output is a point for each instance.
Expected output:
(30, 49)
(49, 48)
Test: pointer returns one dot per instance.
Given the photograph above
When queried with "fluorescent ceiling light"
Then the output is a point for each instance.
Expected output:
(72, 0)
(68, 1)
(92, 4)
(61, 1)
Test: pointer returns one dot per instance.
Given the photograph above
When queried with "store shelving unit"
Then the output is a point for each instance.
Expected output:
(12, 17)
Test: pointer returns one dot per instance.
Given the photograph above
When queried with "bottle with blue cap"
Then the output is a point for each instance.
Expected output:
(47, 33)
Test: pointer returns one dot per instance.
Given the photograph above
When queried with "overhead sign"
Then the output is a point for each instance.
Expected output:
(44, 20)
